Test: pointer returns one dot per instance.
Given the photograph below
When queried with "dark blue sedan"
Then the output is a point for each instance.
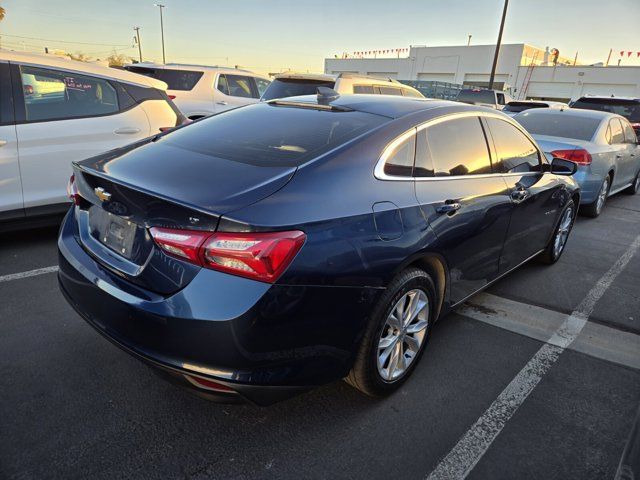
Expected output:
(261, 252)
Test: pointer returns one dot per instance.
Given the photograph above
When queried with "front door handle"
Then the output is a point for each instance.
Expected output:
(126, 131)
(222, 103)
(449, 207)
(519, 194)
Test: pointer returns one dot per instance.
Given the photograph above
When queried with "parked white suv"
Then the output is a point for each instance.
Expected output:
(200, 90)
(293, 84)
(53, 111)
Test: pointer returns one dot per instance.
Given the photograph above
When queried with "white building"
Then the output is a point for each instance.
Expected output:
(524, 70)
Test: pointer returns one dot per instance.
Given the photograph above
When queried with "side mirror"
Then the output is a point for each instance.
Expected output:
(560, 166)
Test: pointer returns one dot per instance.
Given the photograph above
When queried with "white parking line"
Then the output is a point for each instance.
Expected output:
(29, 273)
(476, 441)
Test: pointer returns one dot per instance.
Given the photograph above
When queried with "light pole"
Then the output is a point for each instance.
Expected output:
(160, 6)
(495, 57)
(137, 29)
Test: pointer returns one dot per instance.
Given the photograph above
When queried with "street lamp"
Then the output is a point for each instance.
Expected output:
(160, 6)
(495, 57)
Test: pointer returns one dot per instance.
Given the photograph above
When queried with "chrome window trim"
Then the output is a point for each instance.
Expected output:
(391, 147)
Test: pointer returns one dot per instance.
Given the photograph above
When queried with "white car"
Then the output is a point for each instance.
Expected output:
(200, 90)
(54, 111)
(292, 84)
(516, 106)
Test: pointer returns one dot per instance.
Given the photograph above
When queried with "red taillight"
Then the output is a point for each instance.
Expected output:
(166, 129)
(259, 256)
(28, 89)
(208, 384)
(636, 127)
(72, 190)
(576, 155)
(171, 97)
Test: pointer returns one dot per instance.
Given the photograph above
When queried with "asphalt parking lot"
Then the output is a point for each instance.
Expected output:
(74, 406)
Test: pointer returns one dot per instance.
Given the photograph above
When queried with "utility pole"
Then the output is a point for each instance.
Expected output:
(160, 6)
(495, 57)
(137, 29)
(469, 41)
(609, 57)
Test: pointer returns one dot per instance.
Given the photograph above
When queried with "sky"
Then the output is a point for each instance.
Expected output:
(275, 35)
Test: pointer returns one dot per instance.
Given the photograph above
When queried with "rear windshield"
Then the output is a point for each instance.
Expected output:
(175, 79)
(521, 106)
(273, 135)
(629, 109)
(559, 124)
(293, 87)
(477, 96)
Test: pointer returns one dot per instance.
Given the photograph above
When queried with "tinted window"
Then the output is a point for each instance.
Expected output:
(400, 163)
(617, 134)
(500, 97)
(262, 85)
(458, 147)
(514, 151)
(476, 96)
(629, 133)
(629, 109)
(559, 124)
(289, 87)
(175, 79)
(516, 107)
(271, 135)
(363, 89)
(424, 164)
(51, 94)
(240, 86)
(390, 90)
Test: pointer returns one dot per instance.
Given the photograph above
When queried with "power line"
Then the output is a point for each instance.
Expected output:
(65, 41)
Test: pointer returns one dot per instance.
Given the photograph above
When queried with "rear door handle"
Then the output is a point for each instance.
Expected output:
(126, 131)
(222, 103)
(449, 207)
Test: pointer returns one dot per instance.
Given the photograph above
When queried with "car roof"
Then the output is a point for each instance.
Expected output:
(392, 106)
(89, 68)
(574, 112)
(190, 66)
(323, 77)
(607, 97)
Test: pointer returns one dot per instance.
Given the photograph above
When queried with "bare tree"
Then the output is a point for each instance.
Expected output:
(118, 59)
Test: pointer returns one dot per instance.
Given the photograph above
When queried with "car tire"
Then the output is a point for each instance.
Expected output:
(369, 374)
(556, 246)
(595, 208)
(634, 187)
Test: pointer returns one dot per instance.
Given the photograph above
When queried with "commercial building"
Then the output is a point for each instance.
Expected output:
(523, 70)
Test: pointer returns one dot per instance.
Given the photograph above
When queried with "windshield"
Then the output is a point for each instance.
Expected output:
(293, 87)
(273, 135)
(476, 96)
(175, 79)
(559, 124)
(629, 109)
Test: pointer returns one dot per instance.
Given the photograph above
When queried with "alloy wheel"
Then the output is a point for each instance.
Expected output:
(602, 195)
(403, 335)
(562, 234)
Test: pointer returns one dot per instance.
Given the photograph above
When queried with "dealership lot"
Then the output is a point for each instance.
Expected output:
(75, 406)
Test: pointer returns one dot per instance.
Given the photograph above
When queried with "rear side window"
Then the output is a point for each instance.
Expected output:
(363, 89)
(514, 151)
(411, 93)
(629, 133)
(456, 147)
(400, 162)
(175, 79)
(239, 86)
(272, 135)
(384, 90)
(617, 134)
(262, 85)
(559, 124)
(293, 87)
(59, 95)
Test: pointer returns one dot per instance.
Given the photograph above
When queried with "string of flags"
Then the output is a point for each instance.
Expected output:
(629, 53)
(375, 53)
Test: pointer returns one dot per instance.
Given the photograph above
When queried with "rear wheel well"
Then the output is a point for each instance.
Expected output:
(436, 269)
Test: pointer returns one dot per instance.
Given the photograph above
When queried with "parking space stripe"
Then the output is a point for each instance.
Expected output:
(29, 273)
(466, 454)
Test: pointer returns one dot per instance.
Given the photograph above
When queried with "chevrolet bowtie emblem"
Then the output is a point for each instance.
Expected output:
(101, 194)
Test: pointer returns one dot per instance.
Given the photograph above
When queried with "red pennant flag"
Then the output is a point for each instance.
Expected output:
(622, 53)
(629, 54)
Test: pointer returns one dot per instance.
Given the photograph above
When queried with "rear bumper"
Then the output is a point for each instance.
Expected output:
(266, 342)
(590, 184)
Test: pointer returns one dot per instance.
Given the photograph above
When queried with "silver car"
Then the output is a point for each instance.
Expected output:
(604, 146)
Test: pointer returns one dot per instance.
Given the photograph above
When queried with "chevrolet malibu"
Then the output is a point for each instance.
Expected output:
(270, 249)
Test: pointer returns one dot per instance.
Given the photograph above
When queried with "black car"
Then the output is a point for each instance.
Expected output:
(269, 249)
(628, 107)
